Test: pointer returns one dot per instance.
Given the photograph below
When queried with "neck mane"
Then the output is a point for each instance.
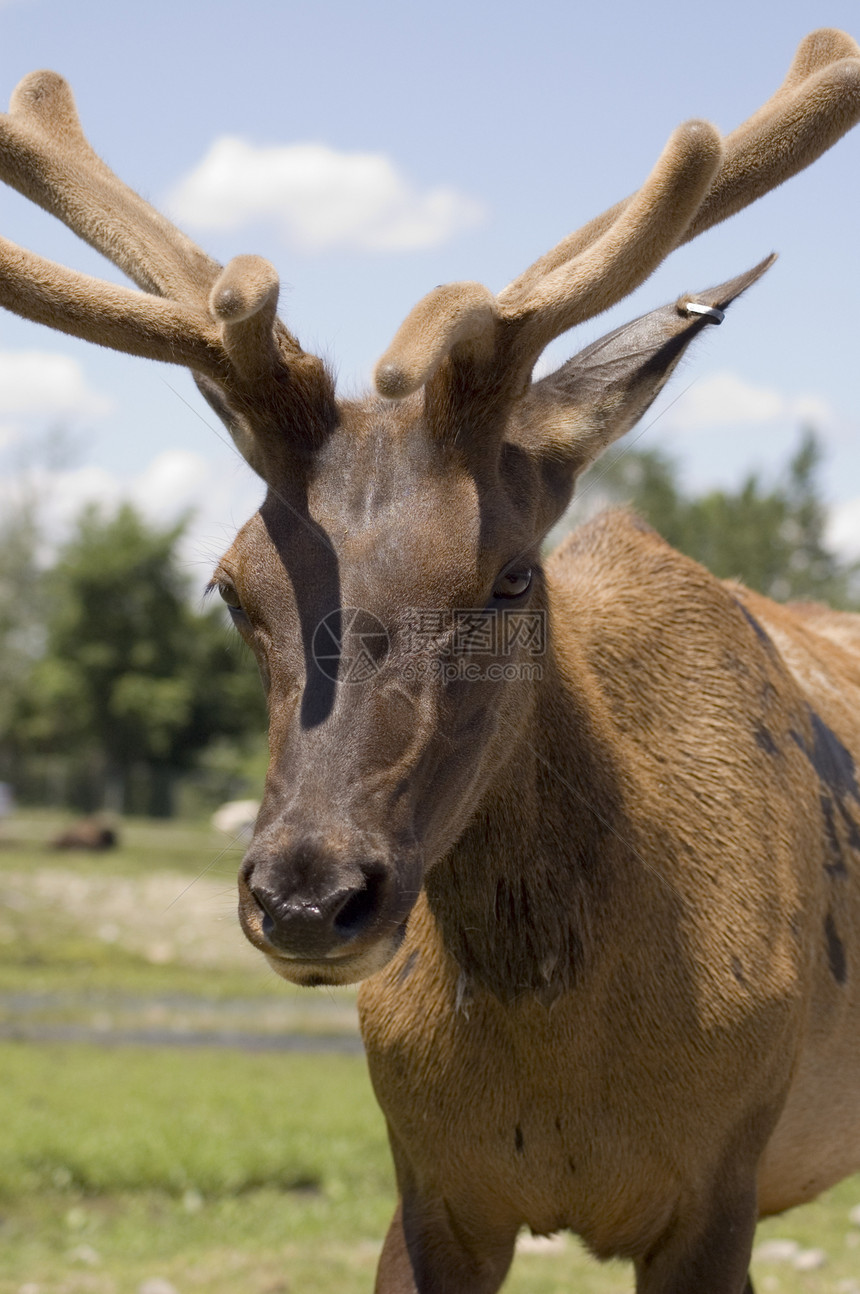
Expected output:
(517, 897)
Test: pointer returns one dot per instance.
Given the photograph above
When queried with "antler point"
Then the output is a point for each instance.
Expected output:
(392, 381)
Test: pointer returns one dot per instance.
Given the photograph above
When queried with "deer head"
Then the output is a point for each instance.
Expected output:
(391, 586)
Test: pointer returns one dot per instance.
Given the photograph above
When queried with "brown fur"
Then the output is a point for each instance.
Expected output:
(86, 834)
(605, 894)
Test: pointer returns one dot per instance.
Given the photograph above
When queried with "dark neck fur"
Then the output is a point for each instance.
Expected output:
(517, 897)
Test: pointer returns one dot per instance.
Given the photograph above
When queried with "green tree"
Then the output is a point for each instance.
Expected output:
(22, 603)
(133, 683)
(770, 536)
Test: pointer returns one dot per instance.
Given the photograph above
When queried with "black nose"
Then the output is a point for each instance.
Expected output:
(321, 919)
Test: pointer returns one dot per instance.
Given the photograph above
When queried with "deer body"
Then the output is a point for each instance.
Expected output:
(595, 1109)
(606, 903)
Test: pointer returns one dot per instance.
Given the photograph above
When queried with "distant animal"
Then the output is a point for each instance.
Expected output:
(86, 834)
(589, 827)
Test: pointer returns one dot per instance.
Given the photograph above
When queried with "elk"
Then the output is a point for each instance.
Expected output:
(605, 893)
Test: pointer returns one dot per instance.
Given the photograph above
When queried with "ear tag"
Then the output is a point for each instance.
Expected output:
(711, 313)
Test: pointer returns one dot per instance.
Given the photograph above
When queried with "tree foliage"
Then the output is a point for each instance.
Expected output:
(133, 681)
(771, 536)
(22, 606)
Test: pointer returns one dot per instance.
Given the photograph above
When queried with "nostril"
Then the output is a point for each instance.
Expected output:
(265, 900)
(278, 915)
(315, 921)
(359, 909)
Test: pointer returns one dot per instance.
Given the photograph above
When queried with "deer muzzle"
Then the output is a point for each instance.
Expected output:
(321, 917)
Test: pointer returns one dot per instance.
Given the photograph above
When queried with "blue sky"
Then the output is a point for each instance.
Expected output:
(374, 150)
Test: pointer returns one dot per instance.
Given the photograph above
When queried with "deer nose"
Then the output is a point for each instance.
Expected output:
(319, 922)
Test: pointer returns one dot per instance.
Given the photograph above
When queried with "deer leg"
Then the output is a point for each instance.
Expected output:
(425, 1252)
(710, 1256)
(435, 1246)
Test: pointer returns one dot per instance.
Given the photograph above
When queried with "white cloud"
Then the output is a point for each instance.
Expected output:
(319, 197)
(67, 493)
(171, 484)
(725, 400)
(220, 491)
(44, 384)
(843, 529)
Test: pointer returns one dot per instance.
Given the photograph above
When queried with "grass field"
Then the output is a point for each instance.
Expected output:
(148, 1170)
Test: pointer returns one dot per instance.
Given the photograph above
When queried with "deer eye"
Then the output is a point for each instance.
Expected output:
(513, 583)
(229, 595)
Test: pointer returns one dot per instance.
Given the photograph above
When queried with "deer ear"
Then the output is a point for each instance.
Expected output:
(570, 417)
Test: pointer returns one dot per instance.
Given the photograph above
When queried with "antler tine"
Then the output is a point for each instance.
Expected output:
(456, 315)
(781, 138)
(644, 233)
(588, 271)
(214, 320)
(114, 316)
(46, 156)
(649, 227)
(814, 107)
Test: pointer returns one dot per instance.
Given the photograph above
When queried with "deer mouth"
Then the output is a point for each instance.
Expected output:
(337, 969)
(318, 920)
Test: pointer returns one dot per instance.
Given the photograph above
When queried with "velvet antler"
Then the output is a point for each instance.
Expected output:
(221, 323)
(698, 181)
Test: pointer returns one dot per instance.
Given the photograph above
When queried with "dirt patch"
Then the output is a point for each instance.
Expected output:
(161, 917)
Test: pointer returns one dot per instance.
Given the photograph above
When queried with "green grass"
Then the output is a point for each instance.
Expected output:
(185, 1164)
(119, 1120)
(55, 939)
(216, 1170)
(259, 1173)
